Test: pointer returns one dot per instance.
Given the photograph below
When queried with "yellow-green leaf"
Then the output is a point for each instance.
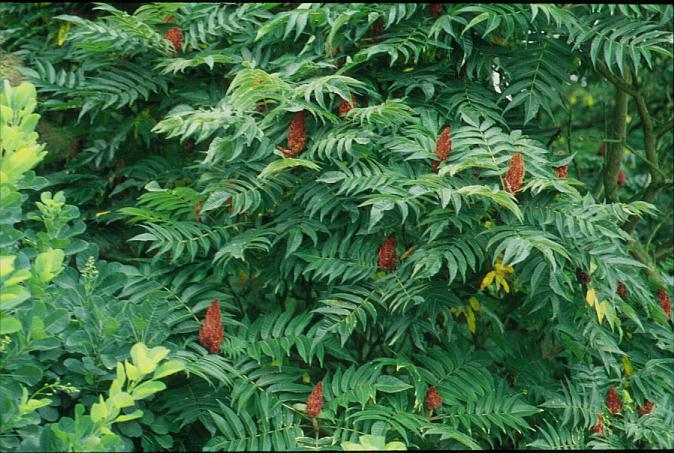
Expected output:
(132, 372)
(32, 405)
(591, 296)
(48, 264)
(281, 164)
(9, 324)
(99, 411)
(6, 265)
(470, 319)
(132, 416)
(122, 400)
(141, 359)
(600, 307)
(147, 388)
(627, 365)
(168, 368)
(486, 281)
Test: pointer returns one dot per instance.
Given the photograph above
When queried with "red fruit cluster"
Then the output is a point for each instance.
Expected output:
(315, 400)
(436, 9)
(582, 277)
(622, 290)
(443, 146)
(211, 333)
(599, 427)
(646, 409)
(665, 302)
(613, 401)
(197, 210)
(621, 178)
(433, 400)
(512, 182)
(562, 172)
(345, 107)
(387, 254)
(602, 149)
(297, 134)
(175, 35)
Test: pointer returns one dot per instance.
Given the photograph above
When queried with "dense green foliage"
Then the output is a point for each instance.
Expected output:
(175, 171)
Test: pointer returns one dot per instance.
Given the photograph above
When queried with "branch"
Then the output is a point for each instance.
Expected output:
(553, 137)
(651, 191)
(615, 149)
(645, 160)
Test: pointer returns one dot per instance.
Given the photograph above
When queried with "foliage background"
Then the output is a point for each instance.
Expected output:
(139, 132)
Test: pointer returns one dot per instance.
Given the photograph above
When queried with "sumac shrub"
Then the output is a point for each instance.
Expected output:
(356, 226)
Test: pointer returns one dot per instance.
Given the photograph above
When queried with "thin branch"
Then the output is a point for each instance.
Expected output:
(651, 191)
(638, 251)
(615, 80)
(666, 127)
(664, 252)
(553, 137)
(645, 160)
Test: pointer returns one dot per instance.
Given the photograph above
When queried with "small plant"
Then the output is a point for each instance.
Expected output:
(369, 442)
(92, 431)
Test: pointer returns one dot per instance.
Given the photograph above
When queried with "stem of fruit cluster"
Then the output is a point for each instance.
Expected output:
(569, 130)
(638, 251)
(314, 422)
